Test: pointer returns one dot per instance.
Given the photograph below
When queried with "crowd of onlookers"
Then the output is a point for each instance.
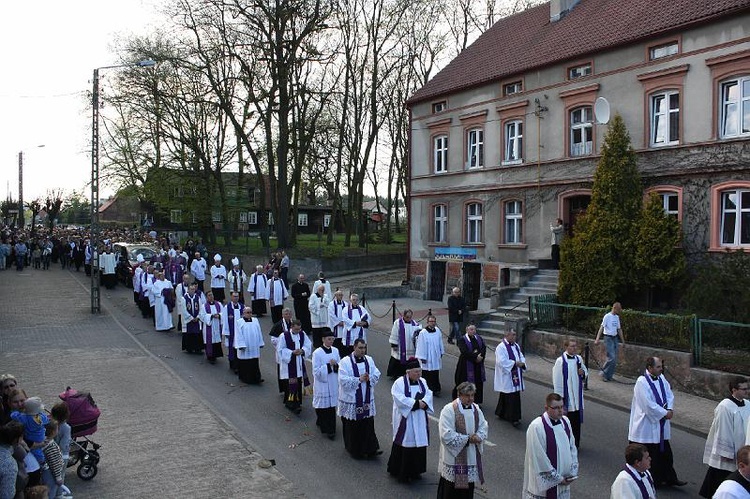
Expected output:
(34, 445)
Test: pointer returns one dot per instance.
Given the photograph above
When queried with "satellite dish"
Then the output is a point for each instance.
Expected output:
(601, 111)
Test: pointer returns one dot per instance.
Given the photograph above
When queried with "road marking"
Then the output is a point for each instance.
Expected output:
(486, 442)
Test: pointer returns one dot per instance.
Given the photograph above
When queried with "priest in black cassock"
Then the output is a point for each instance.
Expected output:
(470, 366)
(301, 295)
(358, 376)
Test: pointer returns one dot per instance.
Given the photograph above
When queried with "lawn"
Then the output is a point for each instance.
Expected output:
(310, 246)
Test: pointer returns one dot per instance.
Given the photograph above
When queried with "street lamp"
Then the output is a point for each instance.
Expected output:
(21, 221)
(96, 299)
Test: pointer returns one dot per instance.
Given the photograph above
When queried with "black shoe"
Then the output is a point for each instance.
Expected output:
(516, 424)
(451, 341)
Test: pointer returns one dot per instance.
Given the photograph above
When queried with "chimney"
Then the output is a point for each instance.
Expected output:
(560, 8)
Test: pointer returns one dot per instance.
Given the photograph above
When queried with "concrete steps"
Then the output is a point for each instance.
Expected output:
(492, 327)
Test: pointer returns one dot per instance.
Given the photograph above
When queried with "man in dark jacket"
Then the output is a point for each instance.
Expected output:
(456, 309)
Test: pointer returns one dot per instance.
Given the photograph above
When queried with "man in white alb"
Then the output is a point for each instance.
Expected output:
(429, 351)
(568, 376)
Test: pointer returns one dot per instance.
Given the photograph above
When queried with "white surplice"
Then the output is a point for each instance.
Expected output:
(726, 435)
(348, 385)
(285, 353)
(625, 486)
(538, 473)
(326, 388)
(575, 400)
(417, 423)
(248, 339)
(504, 367)
(430, 349)
(452, 442)
(161, 312)
(645, 412)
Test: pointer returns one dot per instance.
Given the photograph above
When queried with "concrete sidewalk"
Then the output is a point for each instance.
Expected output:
(692, 414)
(159, 439)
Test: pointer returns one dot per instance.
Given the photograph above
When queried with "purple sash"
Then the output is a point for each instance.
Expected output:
(209, 329)
(662, 401)
(399, 439)
(401, 338)
(566, 398)
(471, 369)
(552, 449)
(144, 282)
(230, 322)
(192, 307)
(639, 482)
(168, 295)
(515, 373)
(363, 408)
(361, 318)
(292, 366)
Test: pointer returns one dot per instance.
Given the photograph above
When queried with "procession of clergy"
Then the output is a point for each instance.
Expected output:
(345, 378)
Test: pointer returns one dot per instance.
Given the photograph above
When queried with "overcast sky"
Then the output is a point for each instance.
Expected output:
(49, 51)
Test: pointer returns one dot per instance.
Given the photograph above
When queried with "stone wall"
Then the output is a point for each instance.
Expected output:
(632, 362)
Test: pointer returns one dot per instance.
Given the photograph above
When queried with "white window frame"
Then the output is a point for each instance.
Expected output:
(511, 88)
(666, 197)
(243, 217)
(326, 220)
(737, 104)
(580, 71)
(662, 117)
(584, 126)
(475, 148)
(175, 216)
(216, 217)
(270, 218)
(513, 142)
(474, 223)
(737, 211)
(440, 223)
(440, 154)
(302, 219)
(663, 50)
(439, 107)
(195, 217)
(252, 218)
(513, 213)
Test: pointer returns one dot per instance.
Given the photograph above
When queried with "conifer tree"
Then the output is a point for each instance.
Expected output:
(659, 261)
(598, 262)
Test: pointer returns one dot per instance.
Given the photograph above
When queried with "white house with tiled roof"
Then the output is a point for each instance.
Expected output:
(504, 140)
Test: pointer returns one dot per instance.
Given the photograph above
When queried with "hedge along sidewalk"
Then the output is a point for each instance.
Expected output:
(714, 344)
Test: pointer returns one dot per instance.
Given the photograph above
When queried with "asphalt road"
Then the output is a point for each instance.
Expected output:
(321, 468)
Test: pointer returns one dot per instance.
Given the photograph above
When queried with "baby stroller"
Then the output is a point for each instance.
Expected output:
(84, 415)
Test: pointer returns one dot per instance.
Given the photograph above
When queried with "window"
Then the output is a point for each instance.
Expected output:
(663, 50)
(252, 218)
(195, 218)
(175, 216)
(216, 217)
(665, 118)
(243, 217)
(438, 107)
(326, 220)
(581, 131)
(512, 88)
(178, 191)
(735, 107)
(671, 203)
(270, 218)
(580, 71)
(302, 219)
(513, 222)
(735, 218)
(252, 195)
(474, 223)
(440, 223)
(440, 153)
(475, 148)
(513, 142)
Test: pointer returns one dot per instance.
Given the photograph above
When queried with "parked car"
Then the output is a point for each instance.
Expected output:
(125, 269)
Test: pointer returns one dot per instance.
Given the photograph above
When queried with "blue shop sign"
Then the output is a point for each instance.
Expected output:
(455, 254)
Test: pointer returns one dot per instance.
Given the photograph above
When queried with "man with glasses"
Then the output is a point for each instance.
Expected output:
(726, 436)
